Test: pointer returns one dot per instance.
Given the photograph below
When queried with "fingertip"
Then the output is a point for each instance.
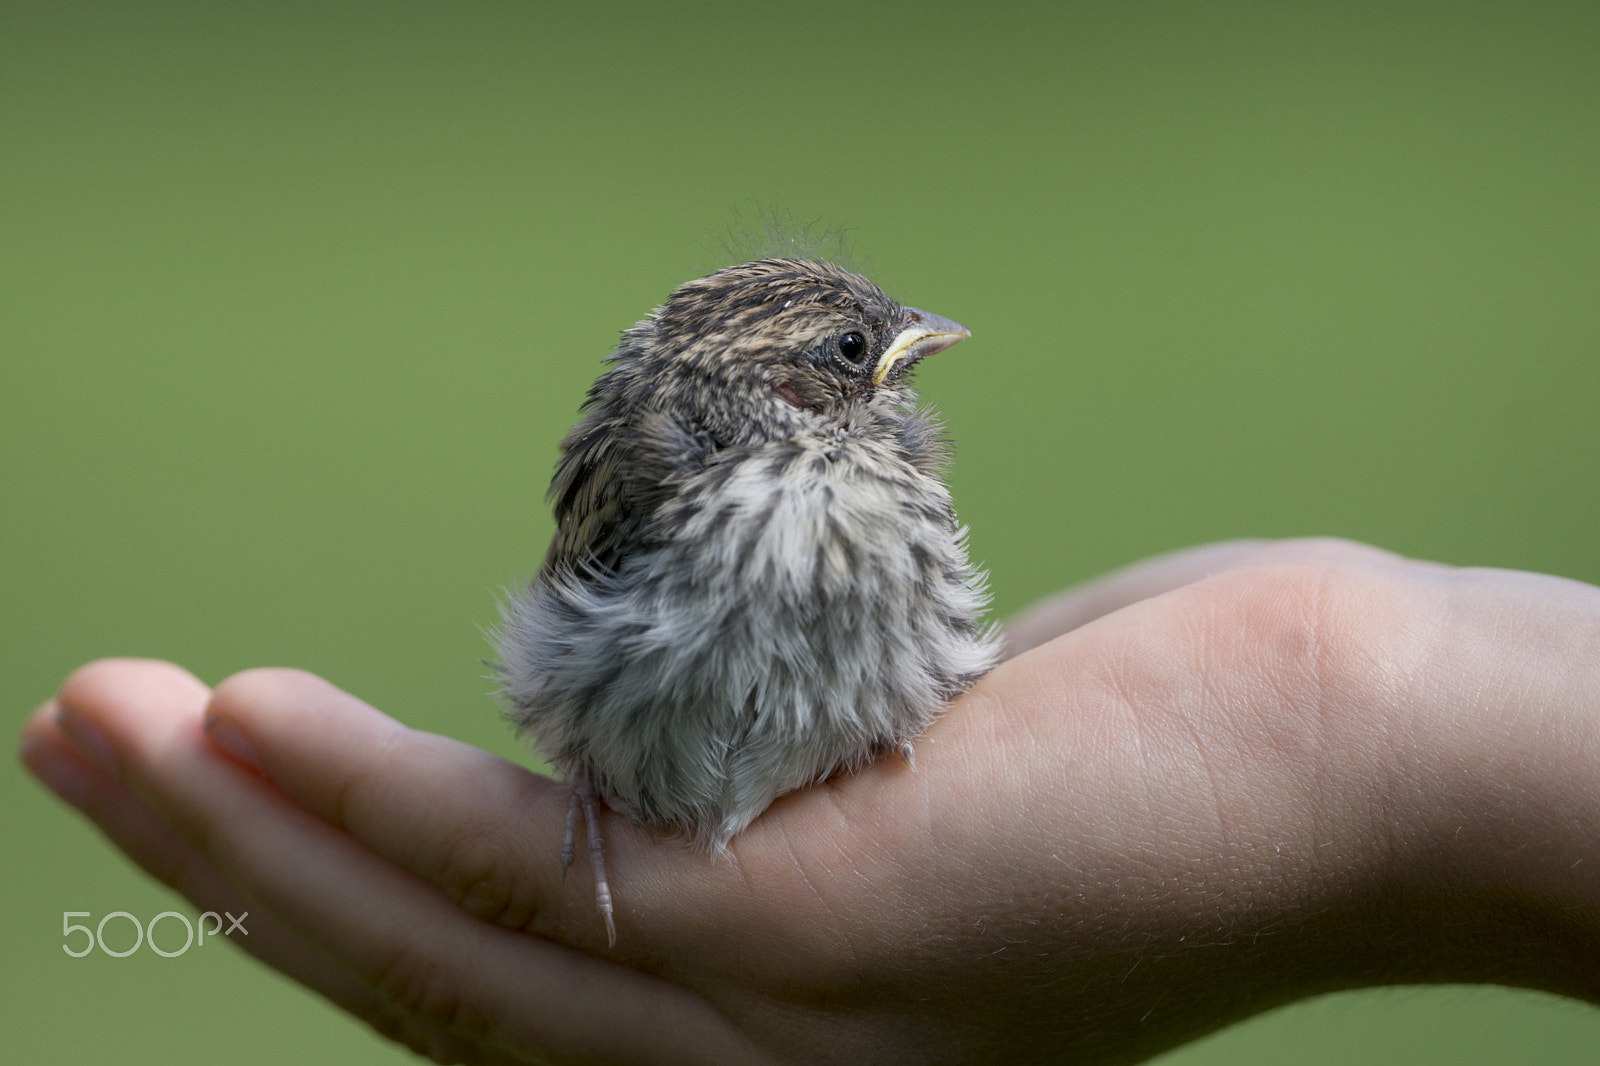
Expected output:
(262, 683)
(270, 704)
(269, 689)
(248, 706)
(42, 743)
(38, 728)
(41, 722)
(226, 734)
(50, 758)
(107, 681)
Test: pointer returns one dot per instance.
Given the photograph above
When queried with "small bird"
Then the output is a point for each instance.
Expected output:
(757, 579)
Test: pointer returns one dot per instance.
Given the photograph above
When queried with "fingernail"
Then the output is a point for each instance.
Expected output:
(231, 739)
(60, 773)
(88, 739)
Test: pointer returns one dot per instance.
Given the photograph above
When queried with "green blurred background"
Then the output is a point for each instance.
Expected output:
(295, 302)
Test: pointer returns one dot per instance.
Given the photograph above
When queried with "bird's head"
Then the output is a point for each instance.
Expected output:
(766, 349)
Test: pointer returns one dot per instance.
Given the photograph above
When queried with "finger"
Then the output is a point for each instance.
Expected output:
(421, 800)
(160, 852)
(485, 831)
(87, 784)
(488, 834)
(450, 979)
(1162, 573)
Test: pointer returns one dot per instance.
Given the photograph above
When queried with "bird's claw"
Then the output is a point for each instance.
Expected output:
(567, 850)
(586, 800)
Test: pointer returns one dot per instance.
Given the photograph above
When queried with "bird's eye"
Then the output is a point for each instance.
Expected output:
(853, 346)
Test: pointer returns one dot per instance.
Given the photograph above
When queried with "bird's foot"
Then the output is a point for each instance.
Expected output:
(908, 753)
(585, 798)
(573, 806)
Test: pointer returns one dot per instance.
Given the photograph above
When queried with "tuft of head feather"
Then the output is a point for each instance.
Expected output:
(769, 231)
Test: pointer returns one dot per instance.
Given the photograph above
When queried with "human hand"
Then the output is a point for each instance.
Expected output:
(1324, 766)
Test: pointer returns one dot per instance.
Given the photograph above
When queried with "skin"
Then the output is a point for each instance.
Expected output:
(1186, 799)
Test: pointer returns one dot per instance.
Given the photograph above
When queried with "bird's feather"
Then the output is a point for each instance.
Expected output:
(757, 578)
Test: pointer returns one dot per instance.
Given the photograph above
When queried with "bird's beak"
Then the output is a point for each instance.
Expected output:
(927, 333)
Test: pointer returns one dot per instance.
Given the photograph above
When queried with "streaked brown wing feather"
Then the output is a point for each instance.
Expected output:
(612, 476)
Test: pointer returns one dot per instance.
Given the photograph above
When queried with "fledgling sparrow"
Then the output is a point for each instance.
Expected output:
(757, 579)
